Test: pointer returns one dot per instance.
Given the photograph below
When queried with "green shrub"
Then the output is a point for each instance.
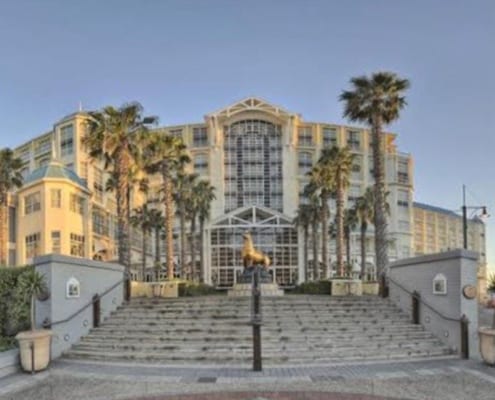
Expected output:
(190, 289)
(14, 306)
(315, 287)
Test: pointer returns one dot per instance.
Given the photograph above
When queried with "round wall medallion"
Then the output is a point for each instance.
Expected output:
(67, 337)
(469, 292)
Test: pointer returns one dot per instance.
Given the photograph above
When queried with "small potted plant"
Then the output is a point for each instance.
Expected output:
(34, 345)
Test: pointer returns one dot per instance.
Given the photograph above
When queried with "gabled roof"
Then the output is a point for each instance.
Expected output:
(57, 171)
(251, 104)
(253, 215)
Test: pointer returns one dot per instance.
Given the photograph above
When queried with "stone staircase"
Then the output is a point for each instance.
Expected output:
(296, 329)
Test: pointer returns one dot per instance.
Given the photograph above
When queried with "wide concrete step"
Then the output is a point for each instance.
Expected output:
(337, 337)
(245, 356)
(268, 345)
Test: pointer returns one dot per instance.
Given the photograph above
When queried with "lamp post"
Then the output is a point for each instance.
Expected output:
(484, 214)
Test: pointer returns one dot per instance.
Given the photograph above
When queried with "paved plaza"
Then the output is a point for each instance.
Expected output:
(436, 380)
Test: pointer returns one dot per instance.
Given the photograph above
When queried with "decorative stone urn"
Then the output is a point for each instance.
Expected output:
(487, 344)
(34, 348)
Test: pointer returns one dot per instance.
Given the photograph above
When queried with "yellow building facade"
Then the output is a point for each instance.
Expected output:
(254, 153)
(437, 229)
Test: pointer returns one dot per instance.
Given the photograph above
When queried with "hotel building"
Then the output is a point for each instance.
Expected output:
(254, 153)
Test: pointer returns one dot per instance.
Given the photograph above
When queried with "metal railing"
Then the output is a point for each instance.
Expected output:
(463, 320)
(90, 303)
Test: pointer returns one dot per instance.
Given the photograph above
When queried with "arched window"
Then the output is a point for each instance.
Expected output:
(439, 284)
(73, 288)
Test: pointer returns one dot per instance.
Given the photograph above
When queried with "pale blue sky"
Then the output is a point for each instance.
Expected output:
(183, 59)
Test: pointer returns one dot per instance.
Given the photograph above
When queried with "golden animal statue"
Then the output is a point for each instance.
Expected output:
(252, 256)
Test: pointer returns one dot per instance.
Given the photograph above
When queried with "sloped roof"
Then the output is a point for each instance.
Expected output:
(57, 171)
(251, 104)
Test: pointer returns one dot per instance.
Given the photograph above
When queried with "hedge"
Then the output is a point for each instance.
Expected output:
(314, 287)
(14, 307)
(189, 289)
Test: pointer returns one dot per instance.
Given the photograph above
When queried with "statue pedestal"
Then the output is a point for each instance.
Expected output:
(243, 287)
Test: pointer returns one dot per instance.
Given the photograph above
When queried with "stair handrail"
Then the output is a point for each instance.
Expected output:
(100, 296)
(424, 302)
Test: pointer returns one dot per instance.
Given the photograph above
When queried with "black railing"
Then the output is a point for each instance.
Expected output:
(90, 303)
(416, 308)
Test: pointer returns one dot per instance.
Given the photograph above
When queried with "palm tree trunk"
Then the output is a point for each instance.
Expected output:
(363, 248)
(122, 222)
(340, 226)
(145, 234)
(182, 222)
(315, 250)
(3, 230)
(193, 249)
(306, 240)
(380, 221)
(324, 233)
(348, 246)
(129, 227)
(169, 221)
(157, 253)
(201, 250)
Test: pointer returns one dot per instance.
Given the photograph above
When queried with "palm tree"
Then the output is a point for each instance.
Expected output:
(364, 210)
(113, 135)
(157, 222)
(376, 101)
(205, 194)
(303, 220)
(334, 168)
(315, 218)
(166, 155)
(184, 188)
(142, 218)
(321, 185)
(10, 178)
(350, 223)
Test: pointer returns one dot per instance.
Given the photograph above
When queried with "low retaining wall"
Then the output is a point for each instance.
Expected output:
(9, 362)
(73, 282)
(441, 306)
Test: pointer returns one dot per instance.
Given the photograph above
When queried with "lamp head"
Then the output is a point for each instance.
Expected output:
(484, 213)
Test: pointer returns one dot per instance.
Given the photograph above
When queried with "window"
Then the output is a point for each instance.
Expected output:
(56, 242)
(200, 137)
(76, 245)
(305, 136)
(32, 203)
(176, 132)
(32, 245)
(403, 171)
(439, 284)
(43, 146)
(73, 288)
(100, 222)
(56, 198)
(98, 185)
(353, 140)
(356, 167)
(354, 193)
(43, 161)
(329, 137)
(305, 162)
(12, 224)
(201, 164)
(66, 140)
(84, 171)
(402, 198)
(76, 204)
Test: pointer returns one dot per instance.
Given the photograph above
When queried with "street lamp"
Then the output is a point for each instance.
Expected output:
(484, 214)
